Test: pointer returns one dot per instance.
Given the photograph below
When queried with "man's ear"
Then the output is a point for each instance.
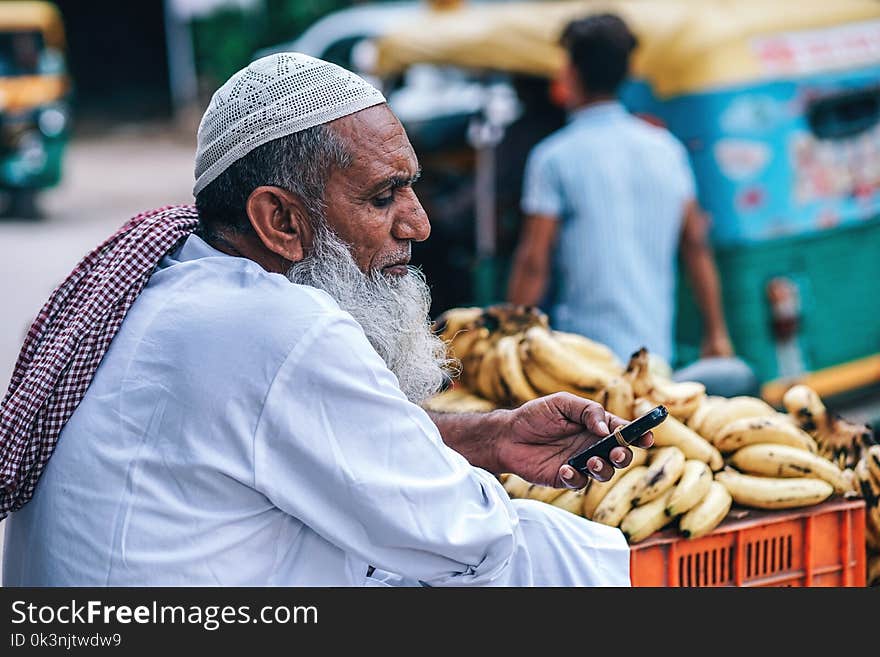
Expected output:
(281, 221)
(570, 81)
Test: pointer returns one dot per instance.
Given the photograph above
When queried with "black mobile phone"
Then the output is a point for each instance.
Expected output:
(625, 436)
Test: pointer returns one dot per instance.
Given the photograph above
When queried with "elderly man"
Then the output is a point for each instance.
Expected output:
(238, 405)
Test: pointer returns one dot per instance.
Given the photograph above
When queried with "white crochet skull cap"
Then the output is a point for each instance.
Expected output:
(273, 97)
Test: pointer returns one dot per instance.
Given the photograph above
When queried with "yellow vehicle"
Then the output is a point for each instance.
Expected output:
(34, 93)
(778, 104)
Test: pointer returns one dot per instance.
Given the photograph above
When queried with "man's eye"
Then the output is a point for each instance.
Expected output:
(383, 201)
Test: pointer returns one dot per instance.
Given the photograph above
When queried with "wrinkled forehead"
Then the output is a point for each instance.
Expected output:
(377, 142)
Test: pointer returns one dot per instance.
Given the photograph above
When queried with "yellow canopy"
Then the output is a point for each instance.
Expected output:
(684, 45)
(40, 16)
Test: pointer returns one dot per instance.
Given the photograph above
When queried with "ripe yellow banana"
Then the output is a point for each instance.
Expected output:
(724, 412)
(454, 320)
(873, 518)
(872, 534)
(563, 364)
(838, 440)
(617, 398)
(873, 574)
(672, 432)
(842, 441)
(659, 366)
(458, 400)
(872, 458)
(665, 465)
(517, 487)
(696, 478)
(708, 514)
(870, 490)
(772, 492)
(510, 319)
(772, 460)
(543, 493)
(618, 500)
(590, 350)
(545, 383)
(638, 372)
(702, 412)
(773, 429)
(805, 405)
(476, 348)
(869, 487)
(488, 384)
(511, 372)
(680, 399)
(642, 521)
(460, 343)
(597, 490)
(571, 500)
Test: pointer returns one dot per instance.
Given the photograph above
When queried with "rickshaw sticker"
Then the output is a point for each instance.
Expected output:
(811, 51)
(751, 198)
(827, 218)
(751, 114)
(835, 168)
(740, 159)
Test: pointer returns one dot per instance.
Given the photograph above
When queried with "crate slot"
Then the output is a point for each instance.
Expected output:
(768, 556)
(705, 568)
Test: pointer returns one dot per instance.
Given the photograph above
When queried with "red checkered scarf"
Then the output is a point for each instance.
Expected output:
(69, 338)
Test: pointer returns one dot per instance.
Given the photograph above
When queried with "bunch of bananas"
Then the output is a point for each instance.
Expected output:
(509, 355)
(458, 400)
(868, 475)
(850, 445)
(710, 452)
(718, 452)
(658, 487)
(838, 440)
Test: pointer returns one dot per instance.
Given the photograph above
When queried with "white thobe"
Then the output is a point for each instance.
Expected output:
(241, 431)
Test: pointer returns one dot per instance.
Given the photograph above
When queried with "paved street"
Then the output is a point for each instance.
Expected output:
(107, 179)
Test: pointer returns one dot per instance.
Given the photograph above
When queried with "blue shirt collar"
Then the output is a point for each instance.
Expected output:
(598, 111)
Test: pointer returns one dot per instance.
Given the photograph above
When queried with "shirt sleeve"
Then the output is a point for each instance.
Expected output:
(687, 183)
(339, 447)
(542, 188)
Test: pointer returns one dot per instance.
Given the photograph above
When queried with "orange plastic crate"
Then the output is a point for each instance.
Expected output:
(822, 545)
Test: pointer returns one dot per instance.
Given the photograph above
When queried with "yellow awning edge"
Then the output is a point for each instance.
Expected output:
(684, 45)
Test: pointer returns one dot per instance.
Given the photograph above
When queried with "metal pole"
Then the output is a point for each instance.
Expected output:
(485, 133)
(486, 238)
(182, 78)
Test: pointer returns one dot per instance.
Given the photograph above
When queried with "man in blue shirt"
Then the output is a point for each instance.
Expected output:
(610, 203)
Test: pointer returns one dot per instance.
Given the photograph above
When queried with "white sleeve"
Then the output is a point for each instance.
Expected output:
(340, 447)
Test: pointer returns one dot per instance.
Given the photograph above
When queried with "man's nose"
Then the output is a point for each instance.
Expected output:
(411, 222)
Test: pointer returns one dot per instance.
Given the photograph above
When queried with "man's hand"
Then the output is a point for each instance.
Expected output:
(717, 345)
(541, 435)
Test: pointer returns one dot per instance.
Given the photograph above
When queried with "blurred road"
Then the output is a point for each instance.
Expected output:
(107, 179)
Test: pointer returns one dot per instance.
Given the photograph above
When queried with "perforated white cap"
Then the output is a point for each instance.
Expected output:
(272, 97)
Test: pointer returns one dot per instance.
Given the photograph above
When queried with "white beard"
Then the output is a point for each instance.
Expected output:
(392, 311)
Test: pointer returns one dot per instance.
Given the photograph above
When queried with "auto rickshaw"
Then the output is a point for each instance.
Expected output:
(34, 93)
(778, 105)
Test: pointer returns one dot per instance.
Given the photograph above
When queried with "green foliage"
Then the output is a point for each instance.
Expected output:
(290, 17)
(226, 40)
